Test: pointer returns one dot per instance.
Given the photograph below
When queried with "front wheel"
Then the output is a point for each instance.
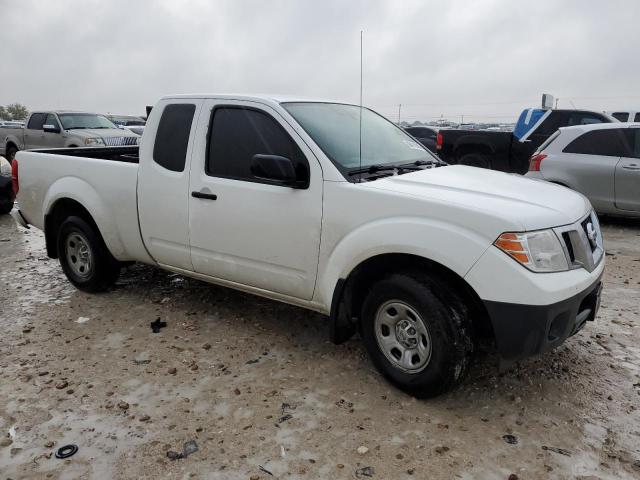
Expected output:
(84, 257)
(417, 333)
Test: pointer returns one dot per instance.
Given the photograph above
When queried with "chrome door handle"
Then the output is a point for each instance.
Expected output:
(631, 166)
(204, 196)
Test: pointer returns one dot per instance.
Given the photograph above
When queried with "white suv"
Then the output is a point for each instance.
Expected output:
(601, 161)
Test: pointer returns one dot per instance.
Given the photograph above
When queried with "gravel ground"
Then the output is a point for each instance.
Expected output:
(258, 388)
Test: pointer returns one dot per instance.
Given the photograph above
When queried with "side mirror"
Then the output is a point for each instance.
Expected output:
(51, 129)
(278, 170)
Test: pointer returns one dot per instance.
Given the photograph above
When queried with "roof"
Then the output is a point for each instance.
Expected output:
(601, 126)
(263, 98)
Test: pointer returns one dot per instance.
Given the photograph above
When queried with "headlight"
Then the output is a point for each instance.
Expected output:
(93, 141)
(539, 251)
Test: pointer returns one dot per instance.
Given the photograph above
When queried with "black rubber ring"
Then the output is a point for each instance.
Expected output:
(66, 451)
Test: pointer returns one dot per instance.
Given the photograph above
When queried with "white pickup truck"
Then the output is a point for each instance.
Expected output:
(332, 208)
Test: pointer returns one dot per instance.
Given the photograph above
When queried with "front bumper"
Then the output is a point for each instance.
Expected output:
(524, 330)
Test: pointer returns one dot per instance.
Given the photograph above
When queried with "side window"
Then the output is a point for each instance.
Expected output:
(51, 120)
(610, 142)
(622, 116)
(552, 123)
(583, 118)
(637, 117)
(633, 139)
(237, 134)
(36, 121)
(172, 137)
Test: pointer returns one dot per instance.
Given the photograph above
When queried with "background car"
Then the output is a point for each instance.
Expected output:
(425, 135)
(625, 115)
(601, 161)
(129, 122)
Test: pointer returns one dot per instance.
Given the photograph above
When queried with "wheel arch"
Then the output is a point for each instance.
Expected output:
(351, 291)
(61, 209)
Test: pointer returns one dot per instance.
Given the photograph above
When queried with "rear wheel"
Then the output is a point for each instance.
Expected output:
(6, 203)
(474, 160)
(84, 257)
(417, 333)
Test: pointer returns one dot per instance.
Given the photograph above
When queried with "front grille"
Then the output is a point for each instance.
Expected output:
(582, 242)
(120, 141)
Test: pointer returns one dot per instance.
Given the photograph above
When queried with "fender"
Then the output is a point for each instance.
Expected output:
(82, 192)
(453, 246)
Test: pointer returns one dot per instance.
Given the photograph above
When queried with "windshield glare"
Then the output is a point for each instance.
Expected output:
(84, 120)
(336, 129)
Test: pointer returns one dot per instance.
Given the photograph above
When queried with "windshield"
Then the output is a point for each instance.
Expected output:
(72, 121)
(336, 129)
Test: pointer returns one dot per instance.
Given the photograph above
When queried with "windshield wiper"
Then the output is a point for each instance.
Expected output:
(75, 128)
(384, 168)
(420, 163)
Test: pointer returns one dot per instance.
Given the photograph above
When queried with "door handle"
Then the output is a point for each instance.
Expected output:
(631, 166)
(204, 196)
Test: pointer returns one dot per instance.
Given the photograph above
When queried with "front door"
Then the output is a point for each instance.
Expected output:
(628, 174)
(243, 229)
(51, 139)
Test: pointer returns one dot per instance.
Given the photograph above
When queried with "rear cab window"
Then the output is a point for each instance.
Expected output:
(622, 116)
(172, 136)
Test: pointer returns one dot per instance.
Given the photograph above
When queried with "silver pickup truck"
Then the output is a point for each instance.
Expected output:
(49, 129)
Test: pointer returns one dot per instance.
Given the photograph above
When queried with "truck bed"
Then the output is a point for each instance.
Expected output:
(104, 180)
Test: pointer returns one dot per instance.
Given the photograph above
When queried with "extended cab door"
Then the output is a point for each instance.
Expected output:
(163, 181)
(628, 174)
(33, 133)
(244, 229)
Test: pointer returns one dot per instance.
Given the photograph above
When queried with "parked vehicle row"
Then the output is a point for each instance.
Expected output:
(129, 122)
(332, 208)
(58, 129)
(510, 151)
(600, 161)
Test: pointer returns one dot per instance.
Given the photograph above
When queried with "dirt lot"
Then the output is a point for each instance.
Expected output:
(259, 389)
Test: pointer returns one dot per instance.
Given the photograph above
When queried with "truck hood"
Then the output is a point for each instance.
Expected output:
(524, 202)
(102, 132)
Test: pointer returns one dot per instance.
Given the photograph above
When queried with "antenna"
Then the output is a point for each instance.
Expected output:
(360, 133)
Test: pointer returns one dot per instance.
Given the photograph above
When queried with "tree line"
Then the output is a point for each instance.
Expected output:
(14, 111)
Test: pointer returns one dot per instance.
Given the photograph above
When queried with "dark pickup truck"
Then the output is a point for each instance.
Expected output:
(510, 151)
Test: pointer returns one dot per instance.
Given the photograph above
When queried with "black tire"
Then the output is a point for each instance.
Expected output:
(11, 153)
(6, 203)
(474, 160)
(448, 325)
(101, 271)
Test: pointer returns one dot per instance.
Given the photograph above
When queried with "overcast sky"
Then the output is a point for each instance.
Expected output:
(485, 59)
